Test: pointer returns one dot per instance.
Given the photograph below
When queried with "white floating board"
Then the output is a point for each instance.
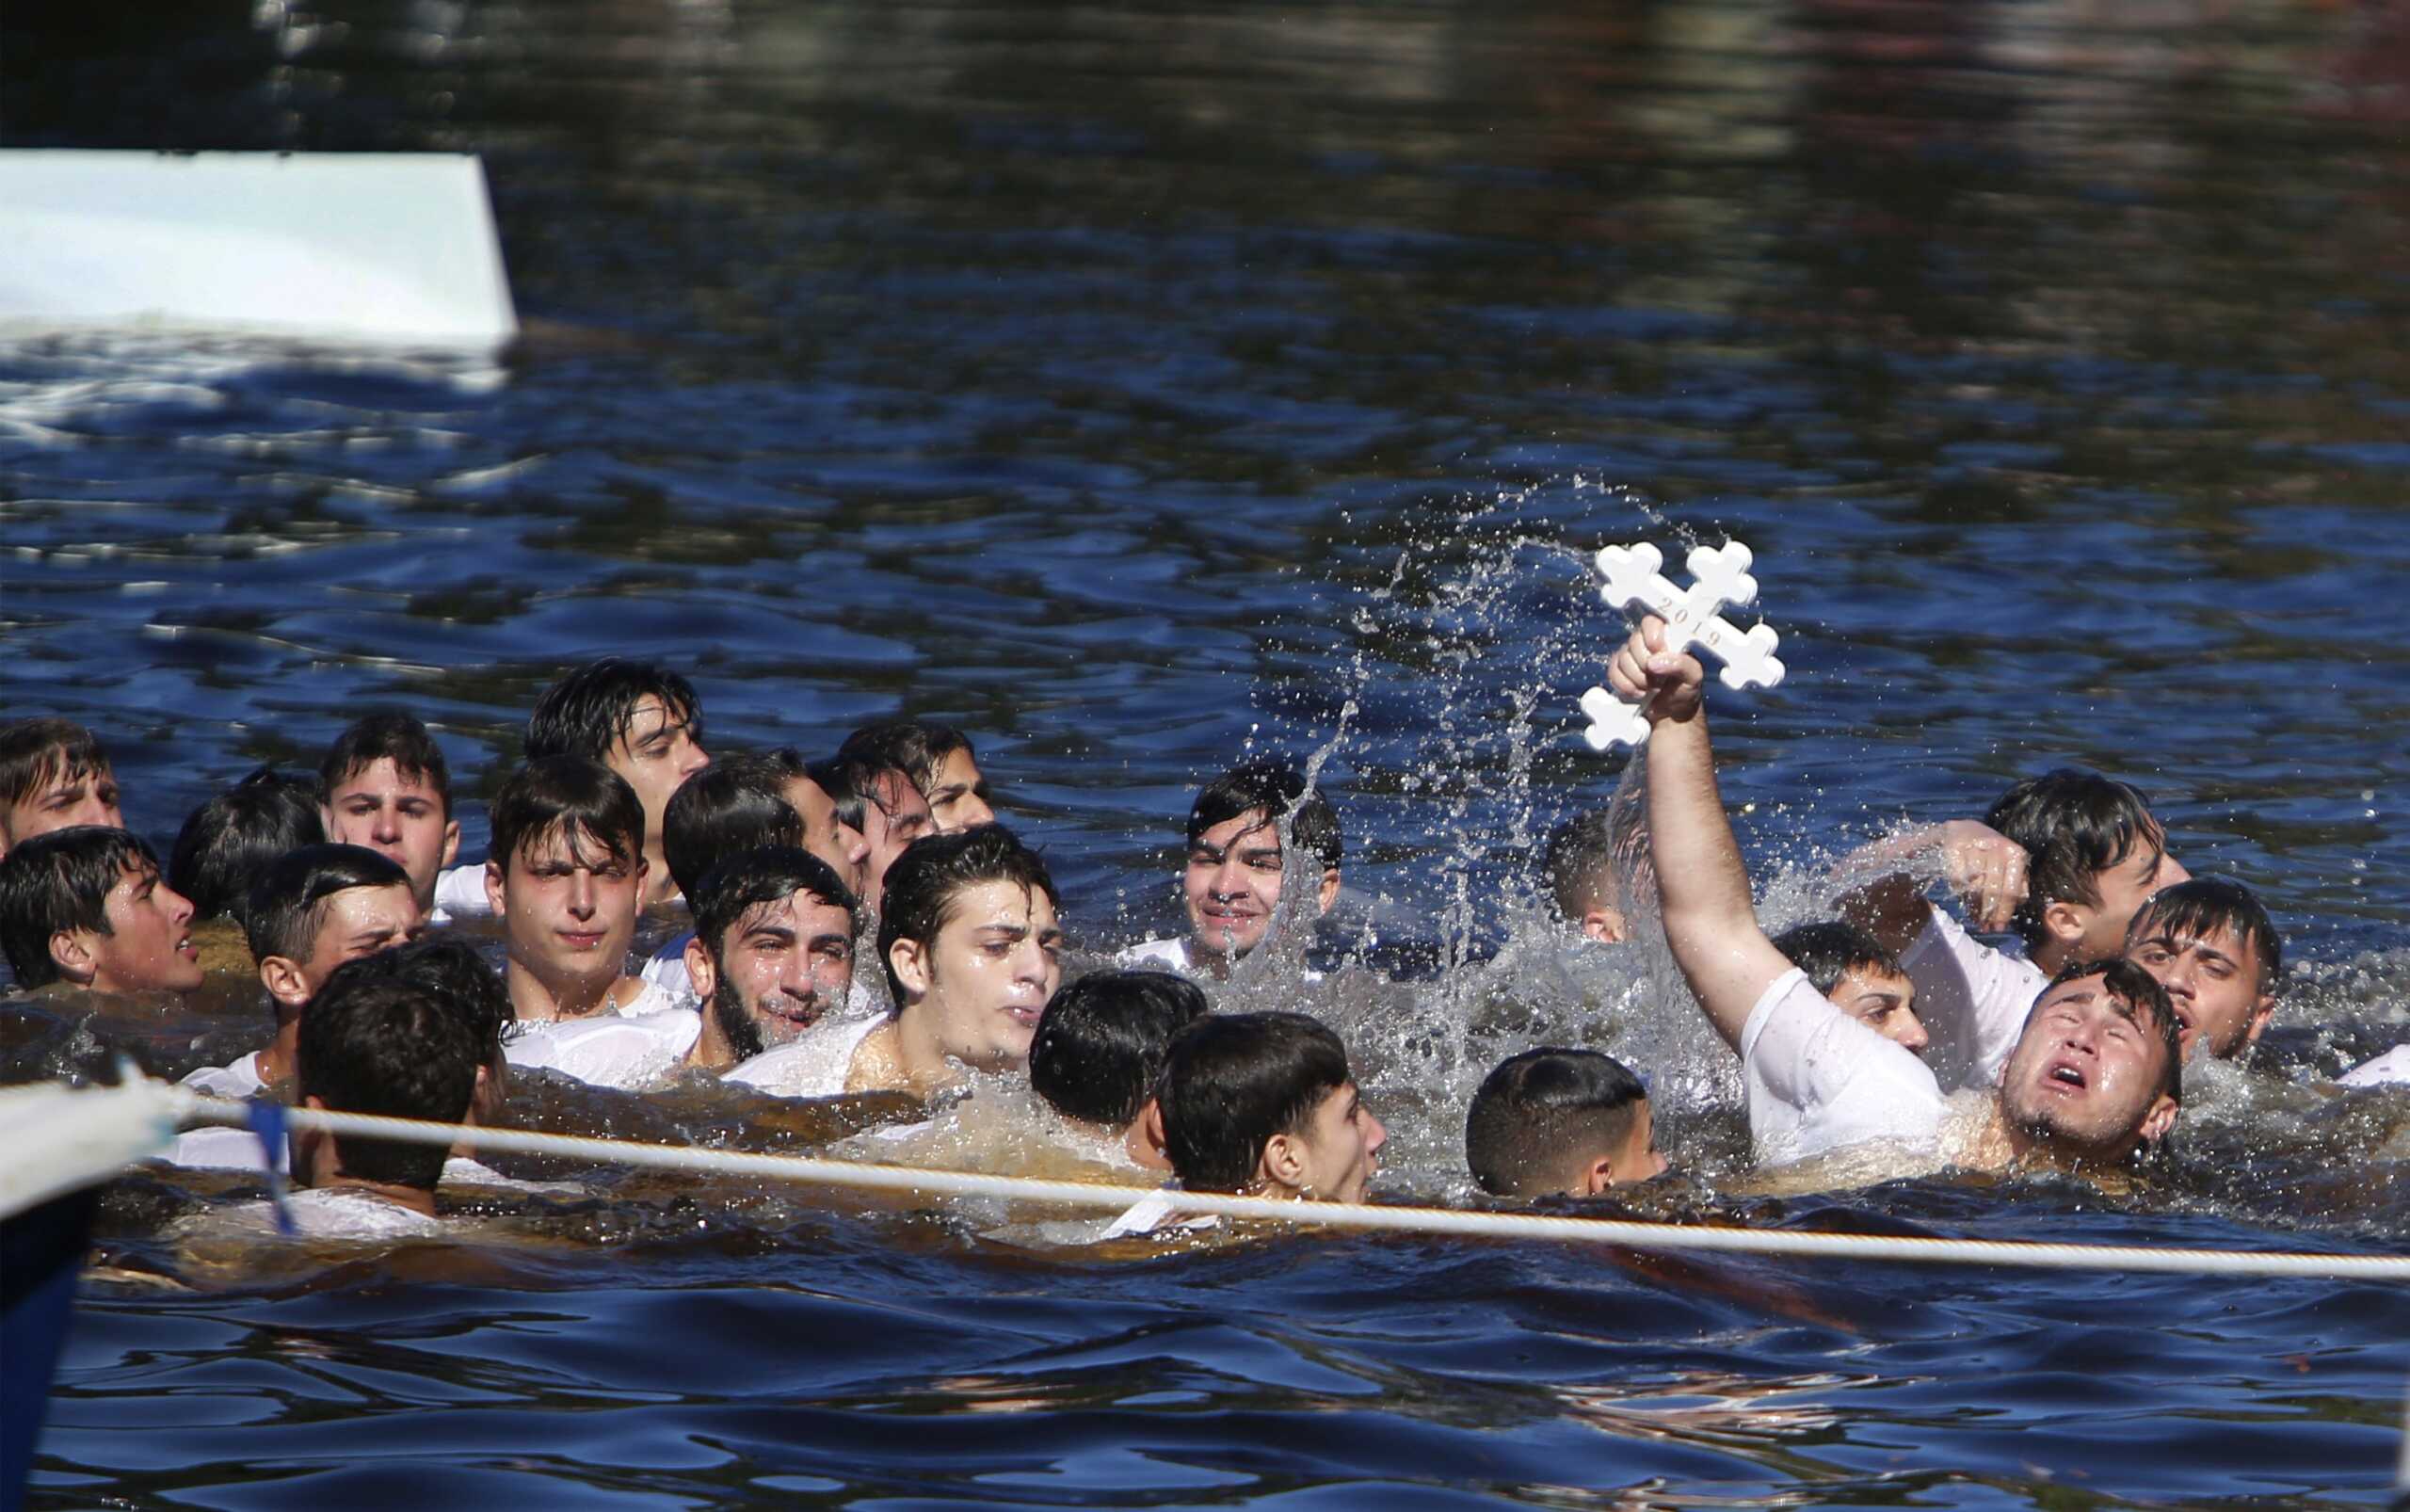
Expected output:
(386, 247)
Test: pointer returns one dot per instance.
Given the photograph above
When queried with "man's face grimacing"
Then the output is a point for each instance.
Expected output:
(359, 921)
(2213, 980)
(1232, 883)
(64, 800)
(980, 986)
(568, 906)
(1883, 1003)
(779, 970)
(654, 753)
(826, 835)
(2087, 1075)
(959, 795)
(400, 817)
(148, 947)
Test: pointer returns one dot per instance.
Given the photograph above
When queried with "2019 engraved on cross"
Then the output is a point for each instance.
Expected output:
(1628, 580)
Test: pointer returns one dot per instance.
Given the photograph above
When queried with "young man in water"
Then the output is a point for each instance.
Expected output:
(972, 952)
(1100, 1050)
(1555, 1122)
(731, 806)
(567, 876)
(641, 722)
(939, 760)
(772, 954)
(386, 787)
(311, 910)
(85, 906)
(1239, 870)
(2064, 860)
(1585, 864)
(880, 803)
(1261, 1105)
(2094, 1075)
(234, 835)
(2213, 946)
(54, 775)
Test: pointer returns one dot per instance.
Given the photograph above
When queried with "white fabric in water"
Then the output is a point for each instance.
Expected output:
(814, 1064)
(2390, 1069)
(641, 1046)
(460, 894)
(667, 968)
(332, 1212)
(1972, 999)
(237, 1081)
(1170, 955)
(1819, 1079)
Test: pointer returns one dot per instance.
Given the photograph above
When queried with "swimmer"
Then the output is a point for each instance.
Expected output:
(312, 910)
(386, 787)
(734, 805)
(567, 875)
(86, 905)
(941, 762)
(1587, 861)
(2213, 946)
(2094, 1075)
(772, 954)
(882, 804)
(1261, 1104)
(1561, 1122)
(2063, 860)
(227, 842)
(641, 722)
(1238, 868)
(54, 775)
(973, 953)
(827, 832)
(1100, 1050)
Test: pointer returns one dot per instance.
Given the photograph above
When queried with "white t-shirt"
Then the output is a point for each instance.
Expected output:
(667, 969)
(1972, 999)
(2388, 1069)
(1153, 1213)
(1819, 1079)
(1167, 954)
(641, 1046)
(237, 1081)
(460, 894)
(334, 1213)
(814, 1064)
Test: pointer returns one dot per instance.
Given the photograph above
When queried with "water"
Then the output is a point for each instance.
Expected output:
(1131, 385)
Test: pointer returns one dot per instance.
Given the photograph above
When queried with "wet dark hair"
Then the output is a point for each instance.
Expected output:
(1231, 1081)
(2136, 993)
(1540, 1112)
(916, 747)
(734, 804)
(923, 882)
(453, 972)
(2204, 906)
(1101, 1041)
(377, 1044)
(586, 712)
(1830, 950)
(1579, 865)
(61, 879)
(568, 796)
(288, 904)
(2074, 825)
(227, 840)
(388, 735)
(847, 780)
(34, 753)
(1276, 789)
(763, 873)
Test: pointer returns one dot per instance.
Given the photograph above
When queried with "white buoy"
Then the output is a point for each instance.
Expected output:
(380, 247)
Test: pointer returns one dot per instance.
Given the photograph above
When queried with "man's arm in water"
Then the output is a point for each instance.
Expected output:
(1984, 868)
(1702, 887)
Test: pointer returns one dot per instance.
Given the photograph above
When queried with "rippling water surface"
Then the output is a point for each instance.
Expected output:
(1131, 384)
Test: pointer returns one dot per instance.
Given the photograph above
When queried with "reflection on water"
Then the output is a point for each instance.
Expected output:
(1133, 386)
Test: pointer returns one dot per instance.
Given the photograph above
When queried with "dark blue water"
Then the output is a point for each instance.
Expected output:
(1129, 385)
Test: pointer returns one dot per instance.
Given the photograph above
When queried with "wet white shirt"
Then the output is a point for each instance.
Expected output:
(459, 893)
(332, 1212)
(667, 968)
(1818, 1080)
(237, 1081)
(1165, 954)
(2388, 1069)
(1153, 1214)
(814, 1064)
(642, 1045)
(1973, 1000)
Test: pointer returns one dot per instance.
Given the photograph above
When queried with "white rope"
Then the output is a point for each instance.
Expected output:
(1343, 1215)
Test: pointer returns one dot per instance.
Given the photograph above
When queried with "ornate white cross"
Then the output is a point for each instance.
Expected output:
(1628, 580)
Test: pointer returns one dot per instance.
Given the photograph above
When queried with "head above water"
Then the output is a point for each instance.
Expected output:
(2093, 852)
(382, 1045)
(1552, 1121)
(385, 784)
(1860, 977)
(773, 951)
(1101, 1041)
(972, 945)
(54, 775)
(86, 905)
(1265, 1102)
(1238, 866)
(640, 721)
(2098, 1071)
(941, 762)
(736, 804)
(227, 841)
(880, 803)
(314, 907)
(2211, 943)
(1589, 859)
(458, 978)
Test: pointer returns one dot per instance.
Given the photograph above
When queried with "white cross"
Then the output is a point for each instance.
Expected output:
(1628, 580)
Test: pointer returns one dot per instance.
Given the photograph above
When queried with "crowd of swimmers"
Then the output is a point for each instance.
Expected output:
(862, 923)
